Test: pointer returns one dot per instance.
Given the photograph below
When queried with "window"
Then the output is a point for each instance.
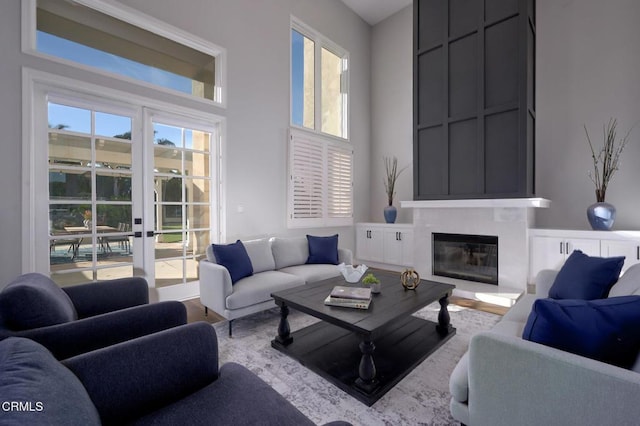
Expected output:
(126, 43)
(320, 182)
(318, 66)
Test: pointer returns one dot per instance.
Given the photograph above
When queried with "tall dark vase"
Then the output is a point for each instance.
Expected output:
(390, 213)
(601, 216)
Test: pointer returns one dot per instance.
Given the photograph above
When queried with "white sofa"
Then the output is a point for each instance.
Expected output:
(278, 264)
(506, 380)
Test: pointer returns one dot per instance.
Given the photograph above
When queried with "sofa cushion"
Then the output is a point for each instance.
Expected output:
(33, 301)
(605, 330)
(49, 392)
(289, 251)
(323, 249)
(260, 254)
(586, 277)
(234, 257)
(258, 288)
(521, 310)
(312, 273)
(628, 283)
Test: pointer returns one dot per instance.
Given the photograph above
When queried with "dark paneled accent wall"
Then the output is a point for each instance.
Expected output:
(474, 111)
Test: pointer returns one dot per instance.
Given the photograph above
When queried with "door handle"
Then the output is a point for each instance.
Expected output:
(399, 236)
(561, 243)
(567, 248)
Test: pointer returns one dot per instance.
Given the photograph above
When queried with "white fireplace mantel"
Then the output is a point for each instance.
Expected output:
(478, 203)
(507, 218)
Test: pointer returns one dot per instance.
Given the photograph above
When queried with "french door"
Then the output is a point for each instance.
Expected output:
(94, 191)
(181, 200)
(132, 191)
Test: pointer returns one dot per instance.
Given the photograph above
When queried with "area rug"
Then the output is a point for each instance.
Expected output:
(421, 398)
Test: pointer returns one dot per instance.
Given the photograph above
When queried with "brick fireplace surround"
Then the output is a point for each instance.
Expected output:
(508, 219)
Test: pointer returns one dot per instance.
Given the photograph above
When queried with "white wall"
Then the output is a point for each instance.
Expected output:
(588, 62)
(256, 36)
(392, 110)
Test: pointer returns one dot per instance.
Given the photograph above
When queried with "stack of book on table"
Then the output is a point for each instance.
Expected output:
(349, 297)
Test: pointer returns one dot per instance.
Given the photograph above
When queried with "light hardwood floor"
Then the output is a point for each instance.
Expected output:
(195, 309)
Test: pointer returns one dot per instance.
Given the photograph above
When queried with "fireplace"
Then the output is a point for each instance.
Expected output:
(466, 257)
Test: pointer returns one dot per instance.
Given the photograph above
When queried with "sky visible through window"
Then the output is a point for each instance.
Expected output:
(109, 125)
(76, 52)
(297, 78)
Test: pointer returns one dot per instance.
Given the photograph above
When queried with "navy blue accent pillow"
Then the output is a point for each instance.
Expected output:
(234, 257)
(585, 277)
(323, 249)
(605, 330)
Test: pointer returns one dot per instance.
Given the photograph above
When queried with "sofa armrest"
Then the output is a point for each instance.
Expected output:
(544, 281)
(76, 337)
(107, 296)
(515, 381)
(215, 286)
(345, 256)
(134, 378)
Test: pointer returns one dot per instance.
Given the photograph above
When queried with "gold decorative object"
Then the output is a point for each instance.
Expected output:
(410, 279)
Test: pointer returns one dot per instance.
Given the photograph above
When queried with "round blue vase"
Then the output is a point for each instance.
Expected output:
(390, 213)
(601, 216)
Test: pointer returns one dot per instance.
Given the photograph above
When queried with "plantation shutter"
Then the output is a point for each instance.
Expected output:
(339, 182)
(320, 182)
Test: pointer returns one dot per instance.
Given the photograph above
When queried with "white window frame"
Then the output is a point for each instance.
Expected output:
(315, 151)
(36, 84)
(141, 20)
(320, 42)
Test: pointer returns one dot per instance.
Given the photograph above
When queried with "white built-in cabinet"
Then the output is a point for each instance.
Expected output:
(549, 248)
(390, 244)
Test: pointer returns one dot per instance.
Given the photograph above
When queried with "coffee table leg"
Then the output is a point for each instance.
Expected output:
(284, 332)
(367, 371)
(444, 321)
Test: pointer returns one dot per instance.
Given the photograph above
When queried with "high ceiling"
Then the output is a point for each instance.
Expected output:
(374, 11)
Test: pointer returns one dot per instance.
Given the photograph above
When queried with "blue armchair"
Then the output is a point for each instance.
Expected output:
(167, 378)
(73, 320)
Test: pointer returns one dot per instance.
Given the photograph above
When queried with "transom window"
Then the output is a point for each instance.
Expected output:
(318, 66)
(88, 32)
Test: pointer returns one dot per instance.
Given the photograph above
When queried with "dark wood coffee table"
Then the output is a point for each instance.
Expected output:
(364, 352)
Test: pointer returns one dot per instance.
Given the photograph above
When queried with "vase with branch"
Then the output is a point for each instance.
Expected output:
(391, 176)
(606, 161)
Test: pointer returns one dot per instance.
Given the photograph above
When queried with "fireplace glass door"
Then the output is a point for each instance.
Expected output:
(466, 257)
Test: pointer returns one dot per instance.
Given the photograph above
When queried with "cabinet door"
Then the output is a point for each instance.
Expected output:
(369, 244)
(629, 249)
(545, 253)
(392, 247)
(398, 247)
(587, 246)
(362, 243)
(376, 244)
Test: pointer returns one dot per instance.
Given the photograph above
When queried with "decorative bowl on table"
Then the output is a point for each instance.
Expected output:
(352, 274)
